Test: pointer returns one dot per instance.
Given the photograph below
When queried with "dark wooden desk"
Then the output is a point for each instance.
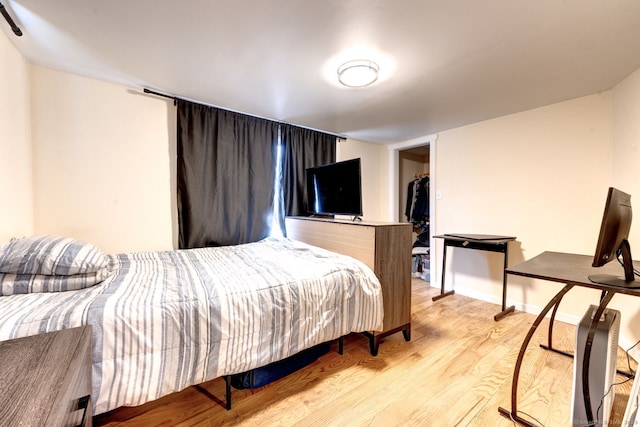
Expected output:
(481, 242)
(572, 270)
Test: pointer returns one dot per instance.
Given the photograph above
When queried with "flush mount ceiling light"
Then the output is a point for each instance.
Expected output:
(358, 73)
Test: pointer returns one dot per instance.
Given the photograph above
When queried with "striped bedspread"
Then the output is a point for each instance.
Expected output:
(163, 321)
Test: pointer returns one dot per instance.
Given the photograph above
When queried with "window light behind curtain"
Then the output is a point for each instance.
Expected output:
(227, 164)
(301, 149)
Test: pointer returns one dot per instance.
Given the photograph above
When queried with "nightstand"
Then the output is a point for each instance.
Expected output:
(46, 379)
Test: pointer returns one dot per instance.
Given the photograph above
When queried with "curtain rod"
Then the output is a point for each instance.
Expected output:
(145, 90)
(16, 30)
(175, 100)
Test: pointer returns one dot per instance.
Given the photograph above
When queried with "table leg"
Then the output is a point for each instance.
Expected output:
(513, 414)
(587, 357)
(549, 345)
(444, 266)
(505, 310)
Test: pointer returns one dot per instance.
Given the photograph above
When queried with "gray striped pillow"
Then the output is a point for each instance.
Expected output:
(12, 284)
(50, 256)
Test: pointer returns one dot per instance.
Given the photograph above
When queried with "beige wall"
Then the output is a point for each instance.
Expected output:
(626, 142)
(103, 156)
(16, 187)
(626, 164)
(541, 175)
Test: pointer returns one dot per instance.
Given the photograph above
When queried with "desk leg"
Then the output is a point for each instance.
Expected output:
(513, 414)
(444, 266)
(549, 345)
(505, 310)
(587, 357)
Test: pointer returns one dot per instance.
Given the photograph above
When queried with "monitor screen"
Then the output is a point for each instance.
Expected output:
(335, 189)
(613, 240)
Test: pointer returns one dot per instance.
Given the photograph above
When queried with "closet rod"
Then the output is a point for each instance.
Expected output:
(16, 30)
(175, 100)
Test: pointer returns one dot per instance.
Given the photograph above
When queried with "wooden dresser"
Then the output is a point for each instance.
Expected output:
(384, 246)
(46, 379)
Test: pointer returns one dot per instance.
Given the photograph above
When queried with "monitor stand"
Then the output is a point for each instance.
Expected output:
(628, 281)
(612, 280)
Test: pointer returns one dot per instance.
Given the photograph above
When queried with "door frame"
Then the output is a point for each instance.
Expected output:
(394, 196)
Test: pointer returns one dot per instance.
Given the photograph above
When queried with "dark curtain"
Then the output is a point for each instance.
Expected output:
(225, 176)
(302, 149)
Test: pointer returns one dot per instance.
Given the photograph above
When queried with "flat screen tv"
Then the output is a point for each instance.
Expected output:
(613, 240)
(335, 189)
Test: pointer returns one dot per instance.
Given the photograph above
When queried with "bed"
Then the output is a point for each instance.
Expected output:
(163, 321)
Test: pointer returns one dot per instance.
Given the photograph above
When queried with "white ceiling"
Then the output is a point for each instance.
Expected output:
(443, 63)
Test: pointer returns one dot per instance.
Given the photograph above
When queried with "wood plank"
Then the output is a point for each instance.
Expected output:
(455, 371)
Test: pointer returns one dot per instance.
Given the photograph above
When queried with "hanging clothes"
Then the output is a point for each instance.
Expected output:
(417, 209)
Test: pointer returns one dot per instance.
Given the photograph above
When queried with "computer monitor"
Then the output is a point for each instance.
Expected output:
(613, 240)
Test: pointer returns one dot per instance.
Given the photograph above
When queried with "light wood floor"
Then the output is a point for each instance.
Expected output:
(455, 371)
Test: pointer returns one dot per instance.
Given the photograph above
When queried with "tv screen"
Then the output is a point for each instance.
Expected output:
(613, 240)
(335, 189)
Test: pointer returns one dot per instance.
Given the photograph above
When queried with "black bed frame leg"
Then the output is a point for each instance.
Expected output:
(374, 344)
(406, 332)
(341, 346)
(227, 382)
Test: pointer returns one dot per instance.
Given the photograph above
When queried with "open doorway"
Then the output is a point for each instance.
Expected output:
(414, 190)
(407, 160)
